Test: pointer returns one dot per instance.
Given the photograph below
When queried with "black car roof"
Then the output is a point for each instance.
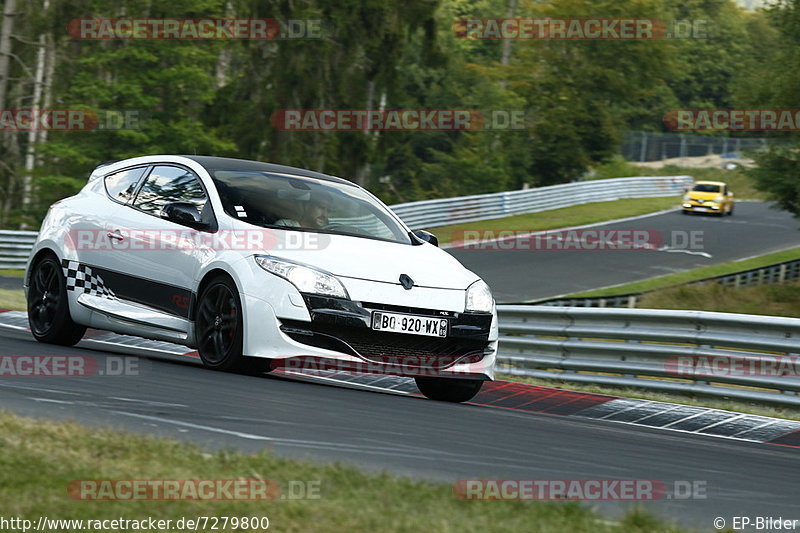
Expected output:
(212, 164)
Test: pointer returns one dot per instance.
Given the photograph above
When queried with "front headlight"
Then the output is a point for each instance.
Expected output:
(479, 298)
(686, 198)
(305, 278)
(719, 199)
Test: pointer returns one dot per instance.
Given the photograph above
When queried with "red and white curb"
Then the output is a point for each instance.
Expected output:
(510, 395)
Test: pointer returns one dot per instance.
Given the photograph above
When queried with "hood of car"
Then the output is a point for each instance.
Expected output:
(697, 195)
(369, 259)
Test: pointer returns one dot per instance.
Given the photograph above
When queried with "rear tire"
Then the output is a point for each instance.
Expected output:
(220, 330)
(48, 307)
(449, 389)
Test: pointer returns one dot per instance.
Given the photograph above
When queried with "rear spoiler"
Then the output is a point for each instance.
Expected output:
(93, 173)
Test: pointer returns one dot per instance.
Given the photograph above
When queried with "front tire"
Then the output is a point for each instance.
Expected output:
(449, 389)
(48, 307)
(220, 330)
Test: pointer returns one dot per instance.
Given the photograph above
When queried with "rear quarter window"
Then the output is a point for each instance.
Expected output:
(121, 186)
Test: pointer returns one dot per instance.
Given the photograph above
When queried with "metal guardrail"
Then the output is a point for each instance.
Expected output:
(16, 245)
(776, 273)
(735, 355)
(432, 213)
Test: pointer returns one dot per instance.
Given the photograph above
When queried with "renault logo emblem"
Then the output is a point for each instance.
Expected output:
(406, 281)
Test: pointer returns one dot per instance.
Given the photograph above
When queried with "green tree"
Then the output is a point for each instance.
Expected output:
(165, 85)
(582, 94)
(775, 83)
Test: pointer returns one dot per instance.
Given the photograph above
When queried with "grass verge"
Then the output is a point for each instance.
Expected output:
(692, 275)
(739, 406)
(577, 215)
(12, 299)
(12, 272)
(41, 458)
(782, 299)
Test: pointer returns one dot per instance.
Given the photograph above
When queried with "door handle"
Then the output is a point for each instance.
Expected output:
(116, 235)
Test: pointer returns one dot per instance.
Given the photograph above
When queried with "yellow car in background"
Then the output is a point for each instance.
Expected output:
(708, 197)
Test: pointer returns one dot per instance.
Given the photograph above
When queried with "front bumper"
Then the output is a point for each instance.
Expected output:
(705, 207)
(344, 327)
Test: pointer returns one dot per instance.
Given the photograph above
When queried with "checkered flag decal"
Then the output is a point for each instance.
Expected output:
(80, 279)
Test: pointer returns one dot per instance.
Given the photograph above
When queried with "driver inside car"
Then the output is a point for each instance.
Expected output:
(313, 213)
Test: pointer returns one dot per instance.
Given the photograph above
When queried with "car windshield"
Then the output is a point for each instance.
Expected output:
(705, 187)
(305, 204)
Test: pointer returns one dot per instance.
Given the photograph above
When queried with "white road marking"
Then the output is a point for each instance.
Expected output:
(250, 436)
(723, 421)
(50, 400)
(148, 402)
(40, 389)
(683, 251)
(423, 455)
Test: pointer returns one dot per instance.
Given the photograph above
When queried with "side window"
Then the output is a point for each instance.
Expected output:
(122, 185)
(166, 185)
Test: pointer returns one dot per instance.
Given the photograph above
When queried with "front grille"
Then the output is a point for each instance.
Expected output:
(385, 347)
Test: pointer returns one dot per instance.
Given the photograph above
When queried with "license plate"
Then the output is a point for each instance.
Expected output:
(412, 324)
(703, 209)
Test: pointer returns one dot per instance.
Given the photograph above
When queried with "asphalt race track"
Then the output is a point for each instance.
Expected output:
(416, 437)
(408, 435)
(521, 275)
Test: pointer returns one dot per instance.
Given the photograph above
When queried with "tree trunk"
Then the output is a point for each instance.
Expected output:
(506, 57)
(33, 133)
(47, 98)
(5, 47)
(225, 56)
(362, 170)
(7, 28)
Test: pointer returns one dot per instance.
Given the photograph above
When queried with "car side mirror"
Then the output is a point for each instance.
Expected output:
(426, 236)
(183, 213)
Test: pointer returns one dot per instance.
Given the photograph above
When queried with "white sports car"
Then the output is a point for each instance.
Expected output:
(256, 266)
